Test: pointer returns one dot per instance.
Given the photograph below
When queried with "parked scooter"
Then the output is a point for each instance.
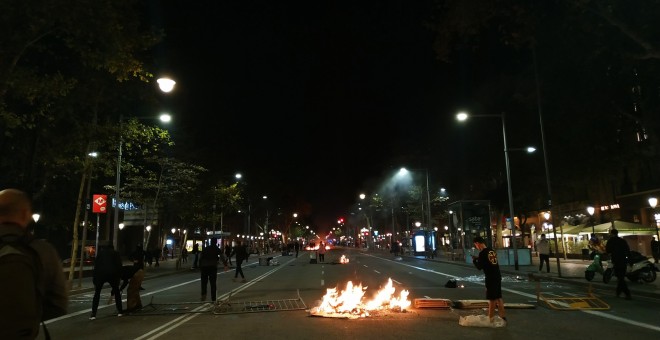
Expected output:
(597, 267)
(639, 268)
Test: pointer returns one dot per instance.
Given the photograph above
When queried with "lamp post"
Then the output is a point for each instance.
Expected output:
(120, 227)
(146, 242)
(591, 211)
(463, 116)
(35, 218)
(453, 236)
(403, 172)
(166, 85)
(653, 202)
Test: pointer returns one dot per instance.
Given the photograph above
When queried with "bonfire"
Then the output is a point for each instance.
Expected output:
(349, 302)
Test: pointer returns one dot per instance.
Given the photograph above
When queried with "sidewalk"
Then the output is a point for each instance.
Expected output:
(572, 272)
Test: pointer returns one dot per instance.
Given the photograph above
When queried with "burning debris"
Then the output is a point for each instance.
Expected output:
(348, 303)
(343, 259)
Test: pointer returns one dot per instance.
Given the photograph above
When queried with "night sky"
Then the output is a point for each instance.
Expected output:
(316, 101)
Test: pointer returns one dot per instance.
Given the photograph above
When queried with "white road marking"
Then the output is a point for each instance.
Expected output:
(533, 296)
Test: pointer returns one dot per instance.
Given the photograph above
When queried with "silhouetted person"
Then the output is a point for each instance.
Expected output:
(208, 262)
(619, 252)
(241, 255)
(228, 251)
(137, 256)
(195, 252)
(655, 249)
(543, 247)
(107, 268)
(321, 252)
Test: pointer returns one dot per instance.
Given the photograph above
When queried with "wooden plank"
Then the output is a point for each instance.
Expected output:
(469, 304)
(432, 303)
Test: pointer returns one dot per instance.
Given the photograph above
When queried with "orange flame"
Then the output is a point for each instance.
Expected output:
(343, 259)
(348, 303)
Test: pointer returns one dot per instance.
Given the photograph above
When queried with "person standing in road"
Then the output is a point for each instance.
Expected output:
(127, 273)
(296, 247)
(149, 256)
(322, 252)
(156, 255)
(23, 319)
(241, 254)
(619, 252)
(137, 256)
(487, 261)
(195, 252)
(543, 247)
(228, 251)
(107, 268)
(208, 262)
(184, 255)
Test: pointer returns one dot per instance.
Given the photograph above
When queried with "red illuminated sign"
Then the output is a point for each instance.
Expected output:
(100, 204)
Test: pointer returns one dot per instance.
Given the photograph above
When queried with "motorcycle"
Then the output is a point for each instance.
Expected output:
(597, 267)
(639, 268)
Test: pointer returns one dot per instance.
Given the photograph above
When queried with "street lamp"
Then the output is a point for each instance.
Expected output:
(591, 211)
(146, 240)
(166, 85)
(653, 202)
(462, 116)
(404, 171)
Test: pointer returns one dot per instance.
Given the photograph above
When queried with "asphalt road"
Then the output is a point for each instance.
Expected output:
(276, 301)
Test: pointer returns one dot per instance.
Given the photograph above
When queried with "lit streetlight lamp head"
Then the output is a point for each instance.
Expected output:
(166, 84)
(591, 210)
(462, 116)
(121, 226)
(653, 202)
(36, 217)
(165, 118)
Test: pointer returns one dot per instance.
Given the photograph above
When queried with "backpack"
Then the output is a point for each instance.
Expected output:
(21, 288)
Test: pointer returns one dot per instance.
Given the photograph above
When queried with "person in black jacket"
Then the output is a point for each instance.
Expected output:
(208, 263)
(107, 268)
(228, 251)
(127, 273)
(137, 256)
(619, 252)
(20, 316)
(241, 254)
(195, 251)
